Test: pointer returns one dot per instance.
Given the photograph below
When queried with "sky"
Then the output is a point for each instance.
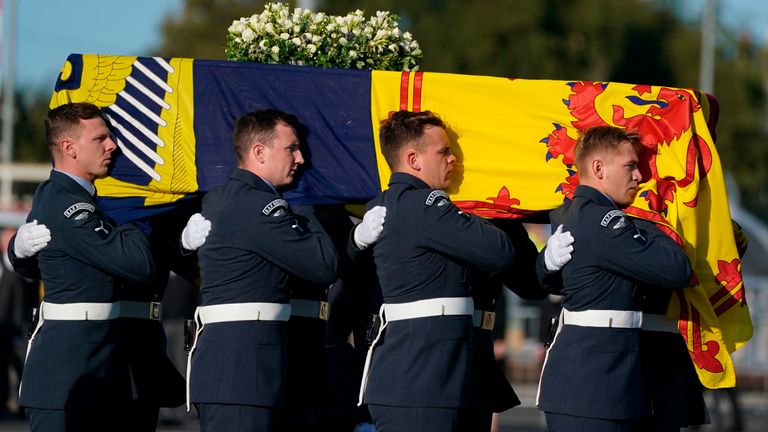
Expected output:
(49, 30)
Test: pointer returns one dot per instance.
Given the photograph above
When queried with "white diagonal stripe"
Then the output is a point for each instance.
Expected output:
(152, 116)
(135, 123)
(138, 162)
(135, 141)
(148, 93)
(164, 64)
(162, 84)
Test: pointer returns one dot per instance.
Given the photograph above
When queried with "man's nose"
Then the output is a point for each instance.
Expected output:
(299, 157)
(109, 145)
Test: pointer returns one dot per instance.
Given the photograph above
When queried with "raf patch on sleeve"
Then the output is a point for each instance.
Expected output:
(437, 196)
(74, 208)
(614, 214)
(276, 207)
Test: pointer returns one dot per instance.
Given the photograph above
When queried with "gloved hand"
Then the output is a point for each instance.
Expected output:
(368, 231)
(194, 234)
(559, 248)
(30, 238)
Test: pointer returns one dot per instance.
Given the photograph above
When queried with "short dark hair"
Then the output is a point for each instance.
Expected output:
(599, 138)
(404, 127)
(65, 119)
(259, 126)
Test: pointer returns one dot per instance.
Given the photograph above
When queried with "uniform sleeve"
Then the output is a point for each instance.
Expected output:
(26, 267)
(646, 255)
(521, 278)
(470, 239)
(122, 251)
(304, 250)
(551, 281)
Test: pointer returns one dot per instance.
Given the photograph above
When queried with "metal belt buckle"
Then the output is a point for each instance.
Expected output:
(323, 310)
(155, 310)
(489, 318)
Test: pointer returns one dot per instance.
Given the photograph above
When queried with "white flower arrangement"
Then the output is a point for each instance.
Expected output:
(301, 37)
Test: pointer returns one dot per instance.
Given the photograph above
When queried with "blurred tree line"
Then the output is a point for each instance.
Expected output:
(632, 41)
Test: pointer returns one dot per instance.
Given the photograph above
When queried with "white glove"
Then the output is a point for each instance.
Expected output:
(559, 248)
(369, 230)
(30, 238)
(195, 232)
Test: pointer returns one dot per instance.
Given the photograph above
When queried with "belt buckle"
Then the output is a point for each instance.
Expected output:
(155, 310)
(488, 320)
(323, 310)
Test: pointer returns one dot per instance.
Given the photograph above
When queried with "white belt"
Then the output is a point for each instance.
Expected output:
(99, 311)
(430, 307)
(310, 309)
(244, 312)
(483, 319)
(659, 323)
(417, 309)
(603, 318)
(229, 313)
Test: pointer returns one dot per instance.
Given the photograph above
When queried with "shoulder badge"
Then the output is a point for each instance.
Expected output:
(437, 196)
(77, 207)
(614, 214)
(276, 207)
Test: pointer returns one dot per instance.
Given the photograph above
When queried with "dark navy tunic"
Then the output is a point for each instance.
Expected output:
(673, 387)
(492, 391)
(423, 253)
(254, 247)
(88, 257)
(596, 371)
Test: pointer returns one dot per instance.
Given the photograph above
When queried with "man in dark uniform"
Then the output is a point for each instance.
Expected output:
(592, 378)
(155, 380)
(75, 377)
(419, 376)
(238, 364)
(492, 392)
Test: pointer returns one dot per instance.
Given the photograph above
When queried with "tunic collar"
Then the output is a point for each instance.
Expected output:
(409, 179)
(593, 194)
(253, 180)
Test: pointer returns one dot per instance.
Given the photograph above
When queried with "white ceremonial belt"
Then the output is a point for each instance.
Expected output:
(430, 307)
(483, 319)
(100, 311)
(79, 311)
(310, 309)
(659, 323)
(244, 312)
(603, 318)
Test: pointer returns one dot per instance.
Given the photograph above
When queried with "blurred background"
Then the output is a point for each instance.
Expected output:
(719, 46)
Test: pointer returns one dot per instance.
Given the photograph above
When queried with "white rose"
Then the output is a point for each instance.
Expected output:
(352, 54)
(269, 28)
(312, 48)
(316, 39)
(285, 36)
(275, 49)
(343, 40)
(248, 35)
(380, 34)
(296, 41)
(288, 23)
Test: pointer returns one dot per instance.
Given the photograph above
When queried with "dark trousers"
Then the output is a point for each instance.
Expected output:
(568, 423)
(239, 418)
(52, 420)
(416, 419)
(144, 417)
(481, 419)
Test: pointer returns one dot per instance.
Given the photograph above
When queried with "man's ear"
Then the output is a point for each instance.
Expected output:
(257, 150)
(412, 159)
(68, 148)
(597, 166)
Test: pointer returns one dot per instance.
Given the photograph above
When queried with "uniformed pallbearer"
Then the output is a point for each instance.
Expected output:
(420, 373)
(255, 245)
(75, 378)
(592, 378)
